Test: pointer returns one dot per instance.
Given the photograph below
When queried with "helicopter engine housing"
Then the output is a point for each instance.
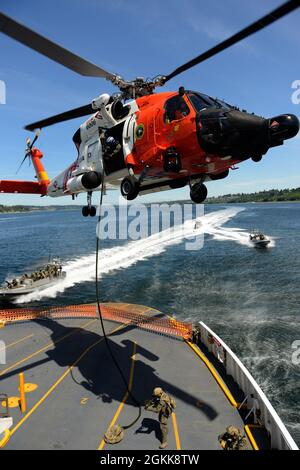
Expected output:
(86, 182)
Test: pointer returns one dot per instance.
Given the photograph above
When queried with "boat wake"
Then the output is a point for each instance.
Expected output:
(82, 269)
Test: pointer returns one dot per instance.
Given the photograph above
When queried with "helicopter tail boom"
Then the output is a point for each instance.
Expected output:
(23, 187)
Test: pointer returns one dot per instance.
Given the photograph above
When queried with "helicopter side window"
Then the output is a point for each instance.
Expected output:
(175, 109)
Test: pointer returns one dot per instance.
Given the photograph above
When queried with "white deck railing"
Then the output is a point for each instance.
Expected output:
(255, 399)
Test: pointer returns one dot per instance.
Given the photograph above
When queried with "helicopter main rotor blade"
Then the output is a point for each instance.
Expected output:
(67, 115)
(268, 19)
(50, 49)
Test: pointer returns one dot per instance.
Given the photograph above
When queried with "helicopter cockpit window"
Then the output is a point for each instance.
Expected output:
(175, 109)
(199, 102)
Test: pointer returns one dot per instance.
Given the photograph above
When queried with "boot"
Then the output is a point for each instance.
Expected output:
(163, 445)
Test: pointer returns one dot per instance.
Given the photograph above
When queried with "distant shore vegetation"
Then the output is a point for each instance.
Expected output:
(9, 209)
(272, 195)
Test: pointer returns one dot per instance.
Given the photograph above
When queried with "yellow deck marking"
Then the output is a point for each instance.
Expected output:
(214, 374)
(83, 401)
(44, 348)
(29, 387)
(62, 377)
(251, 437)
(16, 342)
(175, 427)
(5, 438)
(113, 421)
(13, 402)
(22, 393)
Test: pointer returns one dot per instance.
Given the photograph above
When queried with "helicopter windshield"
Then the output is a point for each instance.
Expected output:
(201, 101)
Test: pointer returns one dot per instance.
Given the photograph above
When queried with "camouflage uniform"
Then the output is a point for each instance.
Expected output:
(164, 405)
(233, 439)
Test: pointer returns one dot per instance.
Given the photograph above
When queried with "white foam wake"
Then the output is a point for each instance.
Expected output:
(121, 257)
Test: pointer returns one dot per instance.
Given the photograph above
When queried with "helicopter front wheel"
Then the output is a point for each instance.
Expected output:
(130, 188)
(256, 158)
(198, 193)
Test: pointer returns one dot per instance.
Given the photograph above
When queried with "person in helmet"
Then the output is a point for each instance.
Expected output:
(182, 109)
(112, 146)
(164, 405)
(233, 439)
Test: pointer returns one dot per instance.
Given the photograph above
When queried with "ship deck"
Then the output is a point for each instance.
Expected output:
(74, 392)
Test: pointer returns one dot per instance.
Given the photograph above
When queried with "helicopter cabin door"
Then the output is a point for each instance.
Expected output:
(94, 158)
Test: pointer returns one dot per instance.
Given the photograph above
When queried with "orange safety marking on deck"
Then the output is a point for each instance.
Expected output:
(118, 313)
(44, 348)
(124, 399)
(16, 342)
(62, 377)
(175, 427)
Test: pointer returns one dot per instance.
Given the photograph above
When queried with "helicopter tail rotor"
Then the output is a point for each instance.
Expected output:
(28, 150)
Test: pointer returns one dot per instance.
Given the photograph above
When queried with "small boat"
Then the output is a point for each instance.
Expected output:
(258, 239)
(38, 280)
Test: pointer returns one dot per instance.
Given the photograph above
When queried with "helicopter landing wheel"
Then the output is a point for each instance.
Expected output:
(256, 158)
(198, 193)
(130, 188)
(85, 211)
(93, 211)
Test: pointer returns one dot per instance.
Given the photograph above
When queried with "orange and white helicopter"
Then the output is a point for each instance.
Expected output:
(146, 141)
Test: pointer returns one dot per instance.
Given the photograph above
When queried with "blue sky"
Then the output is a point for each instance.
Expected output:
(141, 38)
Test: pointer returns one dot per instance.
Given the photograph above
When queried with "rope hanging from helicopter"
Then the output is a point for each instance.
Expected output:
(115, 361)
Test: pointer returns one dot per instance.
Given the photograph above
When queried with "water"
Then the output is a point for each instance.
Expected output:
(249, 296)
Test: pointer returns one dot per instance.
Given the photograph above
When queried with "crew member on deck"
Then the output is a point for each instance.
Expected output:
(164, 405)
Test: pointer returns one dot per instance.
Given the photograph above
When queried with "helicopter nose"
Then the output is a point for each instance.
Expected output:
(282, 127)
(242, 135)
(251, 133)
(232, 133)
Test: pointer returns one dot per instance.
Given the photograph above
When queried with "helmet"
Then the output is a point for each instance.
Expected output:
(157, 392)
(233, 431)
(111, 141)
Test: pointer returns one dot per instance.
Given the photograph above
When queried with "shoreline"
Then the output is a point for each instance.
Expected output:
(30, 211)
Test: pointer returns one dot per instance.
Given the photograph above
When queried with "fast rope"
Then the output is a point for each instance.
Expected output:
(101, 318)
